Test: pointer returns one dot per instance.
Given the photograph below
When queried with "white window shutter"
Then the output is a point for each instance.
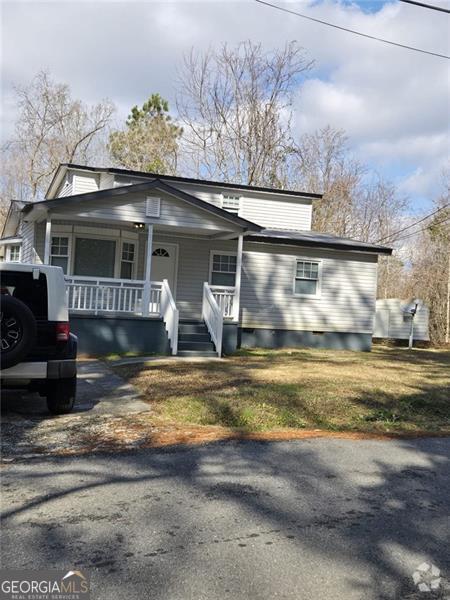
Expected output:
(153, 207)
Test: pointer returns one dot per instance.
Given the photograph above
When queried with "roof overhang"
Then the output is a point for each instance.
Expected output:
(317, 240)
(63, 167)
(10, 240)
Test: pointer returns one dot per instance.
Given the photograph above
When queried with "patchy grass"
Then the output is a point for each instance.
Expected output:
(387, 390)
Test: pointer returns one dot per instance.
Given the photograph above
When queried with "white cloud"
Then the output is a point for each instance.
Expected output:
(393, 103)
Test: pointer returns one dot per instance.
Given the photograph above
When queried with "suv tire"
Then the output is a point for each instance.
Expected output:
(18, 331)
(61, 395)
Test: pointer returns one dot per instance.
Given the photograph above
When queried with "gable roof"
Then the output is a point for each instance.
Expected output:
(315, 239)
(91, 197)
(176, 179)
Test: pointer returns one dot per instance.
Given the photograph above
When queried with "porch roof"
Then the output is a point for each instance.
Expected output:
(157, 184)
(315, 239)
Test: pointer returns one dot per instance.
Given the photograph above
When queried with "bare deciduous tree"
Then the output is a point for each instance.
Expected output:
(51, 128)
(234, 104)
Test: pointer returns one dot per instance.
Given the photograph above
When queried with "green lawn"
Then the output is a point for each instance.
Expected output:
(387, 390)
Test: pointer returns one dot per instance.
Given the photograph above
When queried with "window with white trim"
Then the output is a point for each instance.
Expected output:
(59, 252)
(223, 269)
(307, 278)
(14, 253)
(127, 260)
(231, 203)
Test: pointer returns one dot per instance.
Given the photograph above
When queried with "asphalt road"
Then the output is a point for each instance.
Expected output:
(317, 520)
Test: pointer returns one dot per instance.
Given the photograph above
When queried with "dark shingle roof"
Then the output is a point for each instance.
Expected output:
(315, 239)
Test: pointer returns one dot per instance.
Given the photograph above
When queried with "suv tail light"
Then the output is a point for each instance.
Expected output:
(62, 332)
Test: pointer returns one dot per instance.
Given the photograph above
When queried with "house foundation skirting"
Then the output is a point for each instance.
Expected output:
(103, 335)
(280, 338)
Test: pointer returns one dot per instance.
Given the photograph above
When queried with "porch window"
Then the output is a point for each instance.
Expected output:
(14, 253)
(127, 263)
(59, 255)
(307, 278)
(223, 269)
(94, 257)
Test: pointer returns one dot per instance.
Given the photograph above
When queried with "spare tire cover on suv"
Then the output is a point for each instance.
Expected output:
(18, 331)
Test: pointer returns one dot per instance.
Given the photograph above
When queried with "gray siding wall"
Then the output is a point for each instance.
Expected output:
(27, 233)
(193, 270)
(111, 210)
(347, 301)
(177, 213)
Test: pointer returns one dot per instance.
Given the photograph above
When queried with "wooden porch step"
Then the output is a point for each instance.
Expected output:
(194, 337)
(197, 346)
(192, 327)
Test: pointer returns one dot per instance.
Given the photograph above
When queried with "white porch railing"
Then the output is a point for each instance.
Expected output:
(224, 296)
(213, 316)
(99, 294)
(170, 315)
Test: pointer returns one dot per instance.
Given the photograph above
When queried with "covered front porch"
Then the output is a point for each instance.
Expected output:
(147, 250)
(145, 271)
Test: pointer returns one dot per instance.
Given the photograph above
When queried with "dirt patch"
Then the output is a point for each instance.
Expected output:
(71, 437)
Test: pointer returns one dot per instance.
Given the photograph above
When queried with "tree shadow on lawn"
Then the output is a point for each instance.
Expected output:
(371, 512)
(235, 395)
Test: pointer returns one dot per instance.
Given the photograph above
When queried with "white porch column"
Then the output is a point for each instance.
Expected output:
(237, 293)
(148, 273)
(48, 241)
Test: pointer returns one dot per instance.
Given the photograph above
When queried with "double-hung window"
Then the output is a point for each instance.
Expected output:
(307, 278)
(14, 253)
(223, 269)
(127, 260)
(59, 255)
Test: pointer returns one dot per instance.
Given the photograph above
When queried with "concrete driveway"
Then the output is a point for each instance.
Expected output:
(28, 428)
(314, 519)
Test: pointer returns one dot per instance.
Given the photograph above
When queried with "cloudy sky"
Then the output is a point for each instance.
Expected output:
(392, 103)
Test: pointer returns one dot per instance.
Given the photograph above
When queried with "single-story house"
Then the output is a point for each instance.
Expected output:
(168, 264)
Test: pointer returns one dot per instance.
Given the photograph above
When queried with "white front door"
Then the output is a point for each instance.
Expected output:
(164, 264)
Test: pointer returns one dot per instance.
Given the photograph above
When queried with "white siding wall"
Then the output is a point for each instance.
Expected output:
(177, 213)
(193, 270)
(346, 304)
(106, 181)
(39, 242)
(267, 210)
(392, 322)
(27, 233)
(85, 182)
(66, 187)
(278, 214)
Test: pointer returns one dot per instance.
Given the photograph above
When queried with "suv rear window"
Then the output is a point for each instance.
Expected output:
(32, 292)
